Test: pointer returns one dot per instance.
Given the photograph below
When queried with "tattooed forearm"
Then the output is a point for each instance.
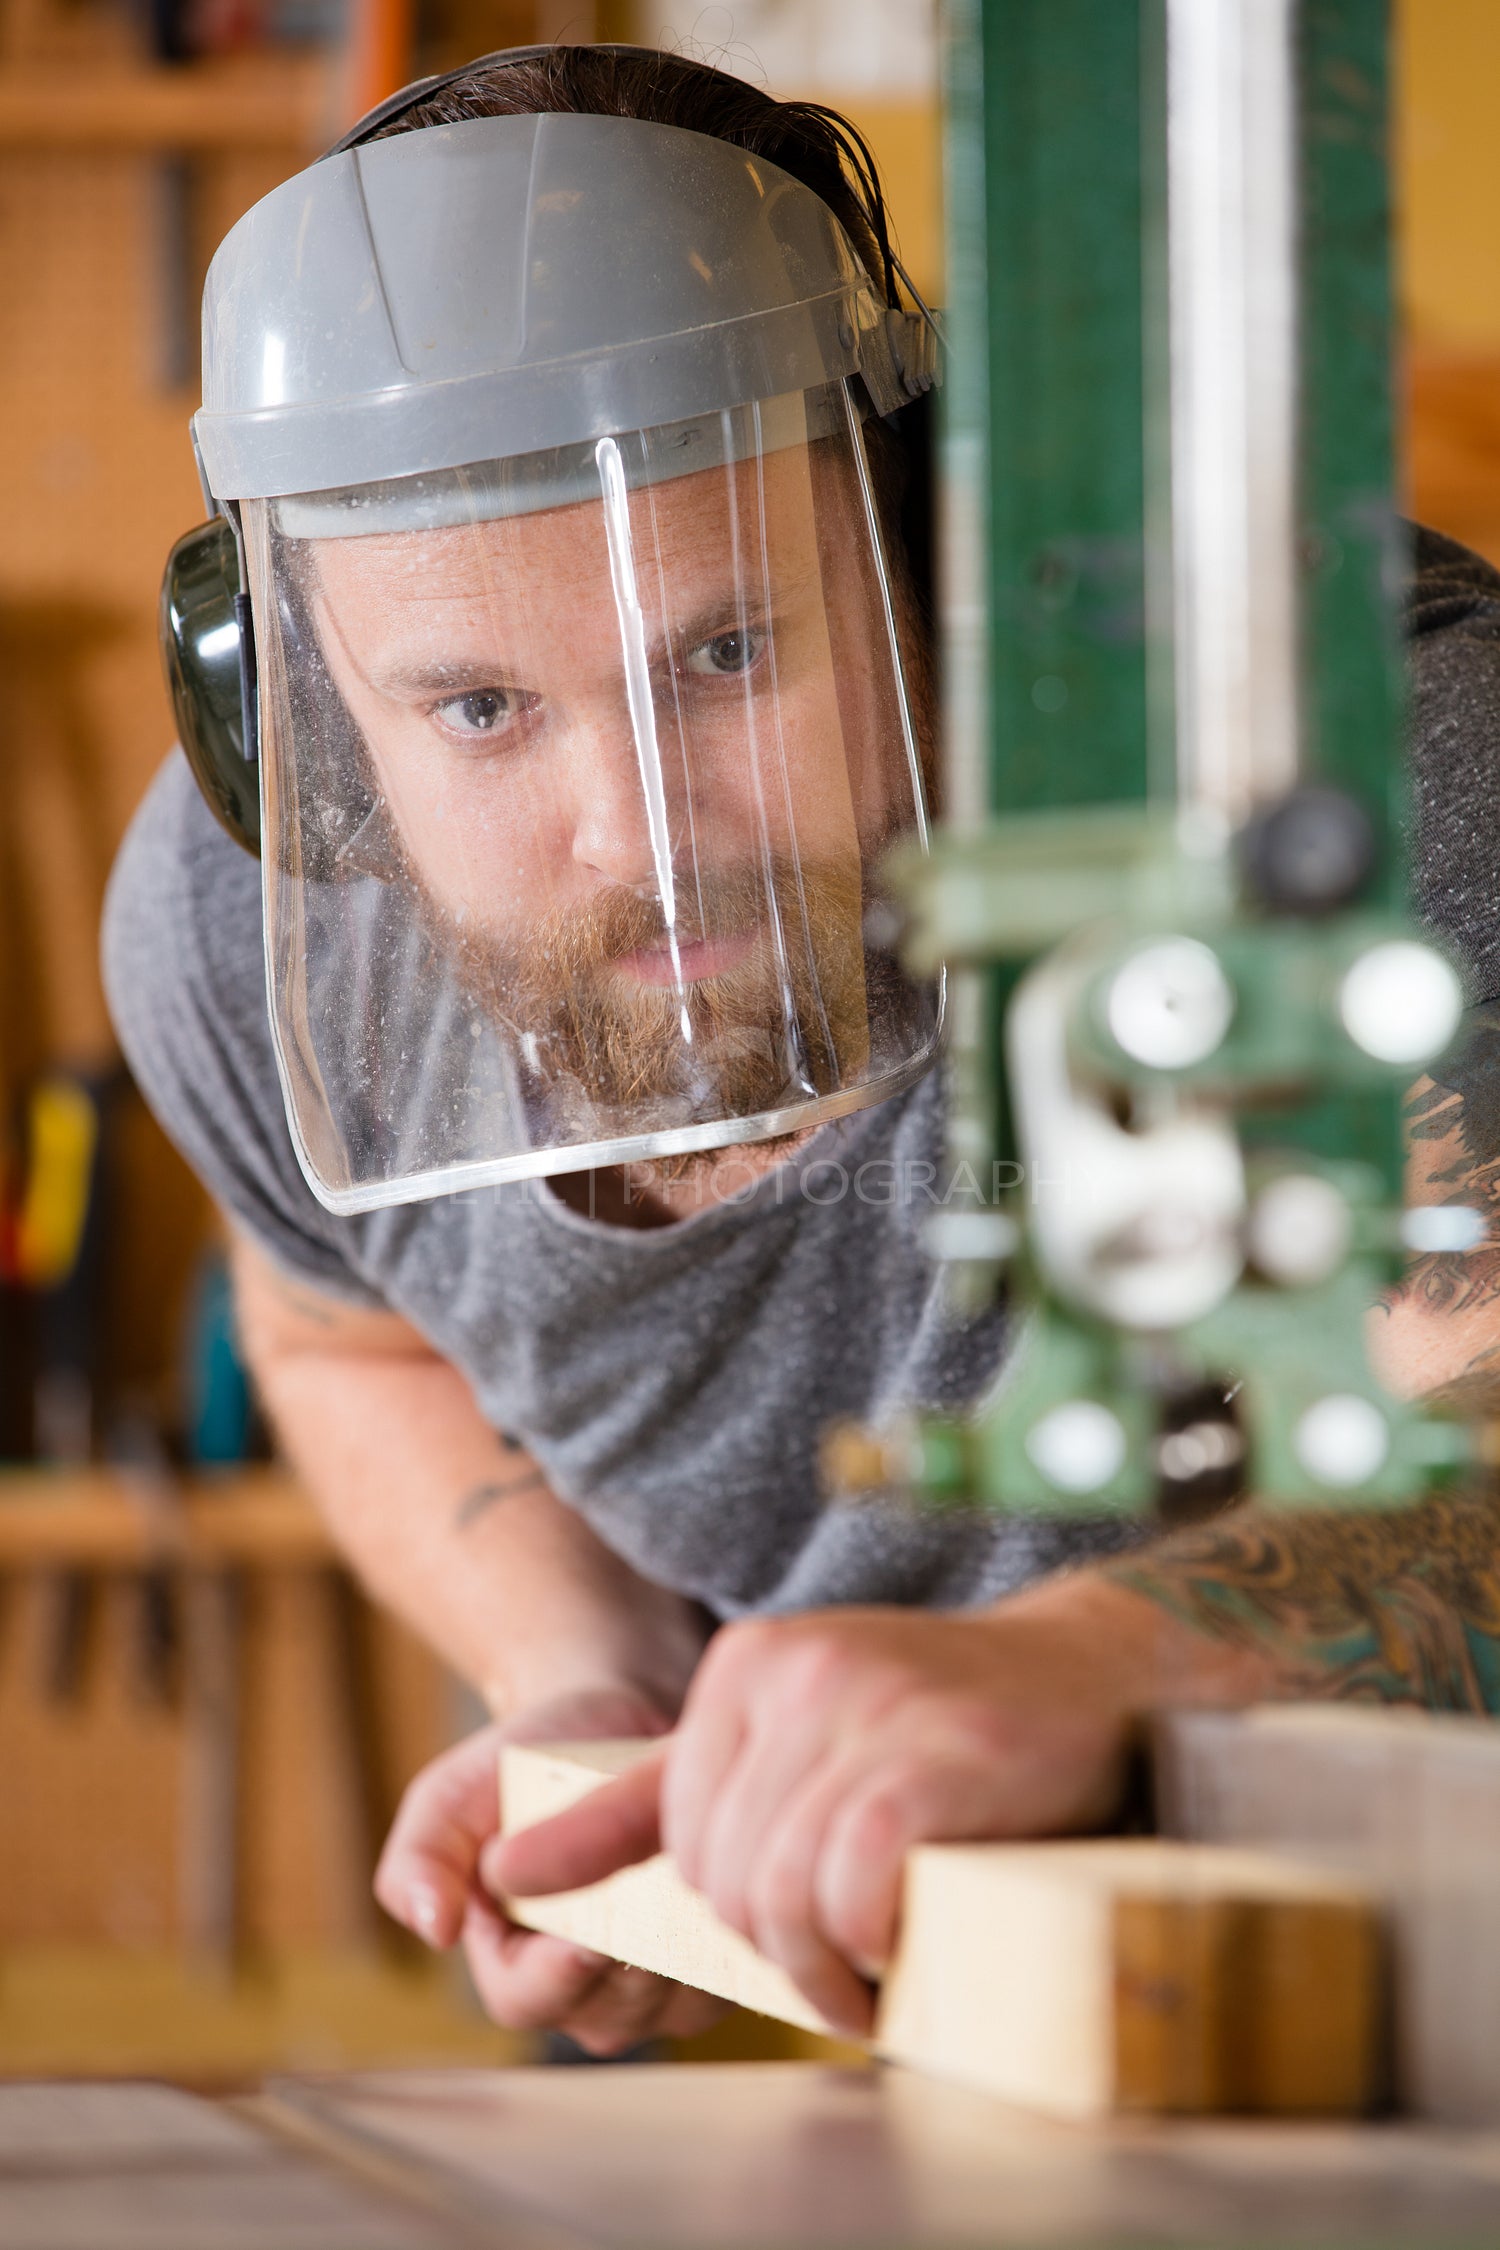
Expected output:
(1472, 1393)
(1453, 1132)
(486, 1496)
(1398, 1607)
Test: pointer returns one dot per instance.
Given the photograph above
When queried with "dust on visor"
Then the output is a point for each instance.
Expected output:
(582, 715)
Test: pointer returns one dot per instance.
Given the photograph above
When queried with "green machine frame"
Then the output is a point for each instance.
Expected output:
(1074, 848)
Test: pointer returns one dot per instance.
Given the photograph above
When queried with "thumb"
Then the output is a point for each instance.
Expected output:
(612, 1827)
(429, 1858)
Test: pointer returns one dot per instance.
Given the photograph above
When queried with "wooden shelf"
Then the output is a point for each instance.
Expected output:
(278, 103)
(105, 1521)
(105, 2011)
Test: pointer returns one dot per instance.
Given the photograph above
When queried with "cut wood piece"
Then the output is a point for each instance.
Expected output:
(645, 1915)
(1083, 1978)
(1407, 1800)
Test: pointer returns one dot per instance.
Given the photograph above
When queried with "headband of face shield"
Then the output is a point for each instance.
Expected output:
(576, 757)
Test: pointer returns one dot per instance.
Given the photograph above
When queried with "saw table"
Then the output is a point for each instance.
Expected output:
(664, 2157)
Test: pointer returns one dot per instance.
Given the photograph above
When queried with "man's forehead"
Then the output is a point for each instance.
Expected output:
(710, 522)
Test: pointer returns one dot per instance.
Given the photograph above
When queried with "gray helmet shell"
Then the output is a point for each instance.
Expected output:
(509, 284)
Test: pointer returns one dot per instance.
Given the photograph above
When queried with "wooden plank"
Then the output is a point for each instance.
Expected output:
(1407, 1800)
(645, 1915)
(101, 1518)
(1083, 1978)
(127, 2012)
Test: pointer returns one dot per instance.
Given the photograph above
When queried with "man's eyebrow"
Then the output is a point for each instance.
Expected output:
(464, 675)
(721, 616)
(440, 677)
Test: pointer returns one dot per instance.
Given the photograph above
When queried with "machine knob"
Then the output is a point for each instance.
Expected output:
(1309, 853)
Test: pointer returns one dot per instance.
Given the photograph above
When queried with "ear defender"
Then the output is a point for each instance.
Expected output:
(208, 648)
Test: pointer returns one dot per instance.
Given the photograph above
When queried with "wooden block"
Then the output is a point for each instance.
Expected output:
(1409, 1802)
(1083, 1978)
(1104, 1976)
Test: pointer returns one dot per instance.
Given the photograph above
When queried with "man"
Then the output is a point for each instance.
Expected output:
(592, 684)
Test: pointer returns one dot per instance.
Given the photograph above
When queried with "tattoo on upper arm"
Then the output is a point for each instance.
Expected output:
(1397, 1606)
(485, 1496)
(1453, 1125)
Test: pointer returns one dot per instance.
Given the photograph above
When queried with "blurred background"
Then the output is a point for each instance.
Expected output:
(203, 1726)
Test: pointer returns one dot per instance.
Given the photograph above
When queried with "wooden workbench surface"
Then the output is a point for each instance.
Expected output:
(718, 2156)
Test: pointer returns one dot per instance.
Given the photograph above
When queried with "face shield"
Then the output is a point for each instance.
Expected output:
(576, 764)
(576, 770)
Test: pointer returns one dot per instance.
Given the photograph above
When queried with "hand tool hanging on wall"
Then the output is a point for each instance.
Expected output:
(189, 1628)
(218, 1409)
(170, 27)
(60, 1239)
(15, 1342)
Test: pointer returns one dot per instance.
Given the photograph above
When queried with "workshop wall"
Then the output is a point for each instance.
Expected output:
(204, 1729)
(1449, 181)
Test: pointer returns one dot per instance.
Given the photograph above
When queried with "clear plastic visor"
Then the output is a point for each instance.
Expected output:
(576, 768)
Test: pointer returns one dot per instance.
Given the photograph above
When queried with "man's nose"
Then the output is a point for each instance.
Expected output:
(610, 778)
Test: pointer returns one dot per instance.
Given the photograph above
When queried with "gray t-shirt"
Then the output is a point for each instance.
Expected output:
(673, 1383)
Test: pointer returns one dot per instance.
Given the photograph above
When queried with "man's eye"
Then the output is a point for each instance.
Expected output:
(727, 653)
(484, 711)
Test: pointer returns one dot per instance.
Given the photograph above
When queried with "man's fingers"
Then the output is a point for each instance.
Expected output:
(764, 1792)
(628, 2006)
(686, 2012)
(709, 1738)
(526, 1982)
(780, 1898)
(430, 1855)
(857, 1881)
(612, 1827)
(534, 1983)
(632, 2005)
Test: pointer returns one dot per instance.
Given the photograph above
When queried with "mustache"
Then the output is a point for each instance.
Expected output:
(789, 1017)
(577, 940)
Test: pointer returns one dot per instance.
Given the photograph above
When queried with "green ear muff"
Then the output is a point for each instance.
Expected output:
(209, 652)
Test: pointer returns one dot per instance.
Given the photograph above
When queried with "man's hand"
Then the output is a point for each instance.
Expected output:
(429, 1879)
(814, 1751)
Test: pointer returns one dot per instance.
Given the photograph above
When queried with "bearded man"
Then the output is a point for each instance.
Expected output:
(573, 1127)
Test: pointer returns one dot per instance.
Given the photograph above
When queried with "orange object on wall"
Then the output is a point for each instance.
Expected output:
(381, 36)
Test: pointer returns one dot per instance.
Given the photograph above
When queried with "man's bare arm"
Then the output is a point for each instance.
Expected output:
(450, 1524)
(1401, 1607)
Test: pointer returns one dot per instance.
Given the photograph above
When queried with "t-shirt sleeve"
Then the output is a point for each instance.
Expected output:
(185, 979)
(1454, 624)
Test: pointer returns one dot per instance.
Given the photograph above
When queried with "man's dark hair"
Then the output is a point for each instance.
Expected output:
(814, 144)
